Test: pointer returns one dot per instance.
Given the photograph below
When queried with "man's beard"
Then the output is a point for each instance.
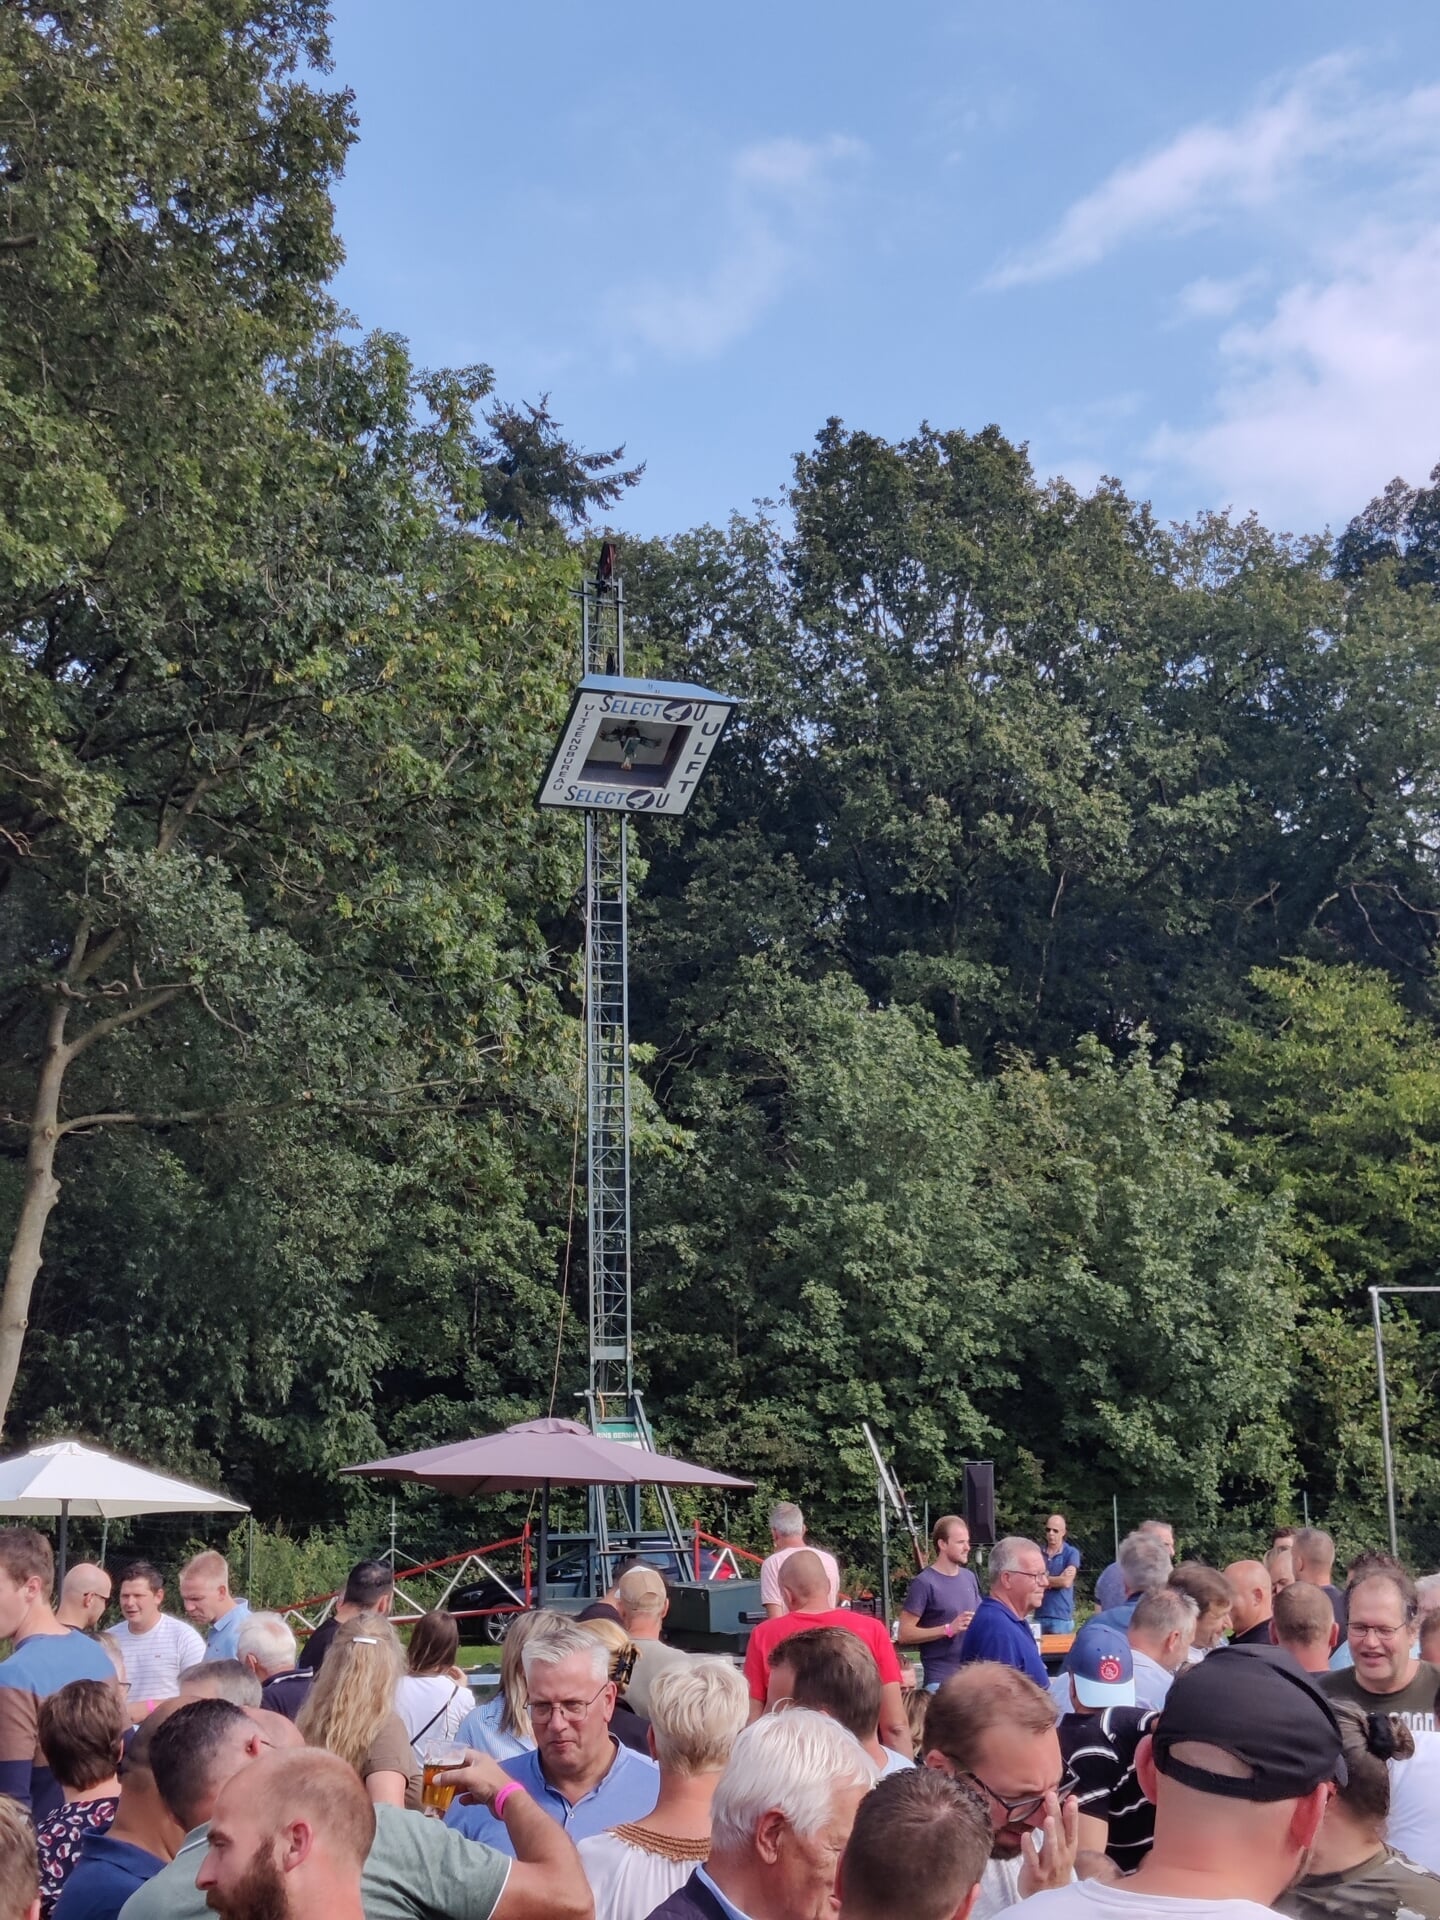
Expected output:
(1007, 1844)
(259, 1895)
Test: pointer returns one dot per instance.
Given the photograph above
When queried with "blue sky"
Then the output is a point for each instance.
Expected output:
(1198, 248)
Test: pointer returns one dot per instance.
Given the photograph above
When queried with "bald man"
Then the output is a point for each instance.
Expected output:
(289, 1834)
(805, 1589)
(84, 1597)
(1251, 1603)
(1304, 1625)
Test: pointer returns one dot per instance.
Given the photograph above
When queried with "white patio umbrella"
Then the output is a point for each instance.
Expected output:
(65, 1478)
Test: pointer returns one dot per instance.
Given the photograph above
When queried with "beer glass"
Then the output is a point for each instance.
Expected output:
(438, 1757)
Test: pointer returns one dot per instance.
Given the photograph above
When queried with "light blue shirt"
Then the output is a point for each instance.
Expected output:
(222, 1639)
(628, 1792)
(481, 1729)
(1110, 1587)
(726, 1905)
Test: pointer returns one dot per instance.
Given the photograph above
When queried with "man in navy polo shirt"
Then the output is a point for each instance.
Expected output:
(578, 1773)
(1062, 1563)
(1000, 1629)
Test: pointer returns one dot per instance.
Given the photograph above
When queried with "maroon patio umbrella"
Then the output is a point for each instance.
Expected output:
(542, 1453)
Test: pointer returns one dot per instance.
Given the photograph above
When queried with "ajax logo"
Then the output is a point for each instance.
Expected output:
(1109, 1667)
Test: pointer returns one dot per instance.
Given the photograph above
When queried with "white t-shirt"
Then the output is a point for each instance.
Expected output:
(627, 1880)
(155, 1660)
(1097, 1900)
(432, 1705)
(770, 1593)
(1414, 1824)
(999, 1889)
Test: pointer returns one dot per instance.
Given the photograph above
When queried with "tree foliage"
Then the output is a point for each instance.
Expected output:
(1042, 830)
(1050, 1268)
(270, 720)
(1335, 1089)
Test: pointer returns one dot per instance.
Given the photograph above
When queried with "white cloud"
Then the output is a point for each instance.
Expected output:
(1331, 396)
(1209, 299)
(777, 195)
(1213, 169)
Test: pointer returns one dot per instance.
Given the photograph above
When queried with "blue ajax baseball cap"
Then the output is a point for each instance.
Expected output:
(1102, 1667)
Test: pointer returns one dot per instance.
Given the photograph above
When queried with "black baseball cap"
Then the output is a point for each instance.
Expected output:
(1260, 1705)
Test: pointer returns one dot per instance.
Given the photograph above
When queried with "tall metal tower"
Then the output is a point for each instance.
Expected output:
(629, 747)
(607, 1045)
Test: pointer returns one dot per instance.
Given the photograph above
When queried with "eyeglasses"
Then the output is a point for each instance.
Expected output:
(542, 1711)
(1017, 1812)
(1020, 1574)
(1357, 1631)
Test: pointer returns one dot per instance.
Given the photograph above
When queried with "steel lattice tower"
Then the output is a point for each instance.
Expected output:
(627, 746)
(607, 1046)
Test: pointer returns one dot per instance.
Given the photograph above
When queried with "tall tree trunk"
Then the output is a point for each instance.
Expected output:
(41, 1191)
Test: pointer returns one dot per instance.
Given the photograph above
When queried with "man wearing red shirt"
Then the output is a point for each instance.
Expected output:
(805, 1589)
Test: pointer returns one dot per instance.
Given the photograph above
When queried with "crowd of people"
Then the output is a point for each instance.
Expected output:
(1233, 1742)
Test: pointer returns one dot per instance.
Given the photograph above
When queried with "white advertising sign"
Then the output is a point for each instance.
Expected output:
(634, 746)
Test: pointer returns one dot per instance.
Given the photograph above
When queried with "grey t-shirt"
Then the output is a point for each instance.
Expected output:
(1414, 1703)
(935, 1598)
(418, 1869)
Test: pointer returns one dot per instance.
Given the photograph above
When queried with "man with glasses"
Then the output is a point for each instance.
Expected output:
(578, 1773)
(994, 1730)
(84, 1596)
(1386, 1677)
(1018, 1581)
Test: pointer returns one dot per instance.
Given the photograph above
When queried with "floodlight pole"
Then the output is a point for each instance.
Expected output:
(1384, 1421)
(1385, 1448)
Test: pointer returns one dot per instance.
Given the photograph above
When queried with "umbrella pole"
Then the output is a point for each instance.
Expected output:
(544, 1553)
(64, 1542)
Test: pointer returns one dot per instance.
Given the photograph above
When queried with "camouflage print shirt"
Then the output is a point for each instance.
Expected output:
(1384, 1887)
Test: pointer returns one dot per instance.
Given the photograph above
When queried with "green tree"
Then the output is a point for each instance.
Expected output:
(532, 478)
(1051, 1269)
(1336, 1093)
(1150, 1310)
(813, 1256)
(269, 713)
(1026, 760)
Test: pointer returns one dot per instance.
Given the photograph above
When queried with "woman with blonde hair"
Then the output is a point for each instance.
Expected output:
(501, 1726)
(629, 1728)
(351, 1710)
(697, 1712)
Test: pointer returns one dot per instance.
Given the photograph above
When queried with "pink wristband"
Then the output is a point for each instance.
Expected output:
(497, 1805)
